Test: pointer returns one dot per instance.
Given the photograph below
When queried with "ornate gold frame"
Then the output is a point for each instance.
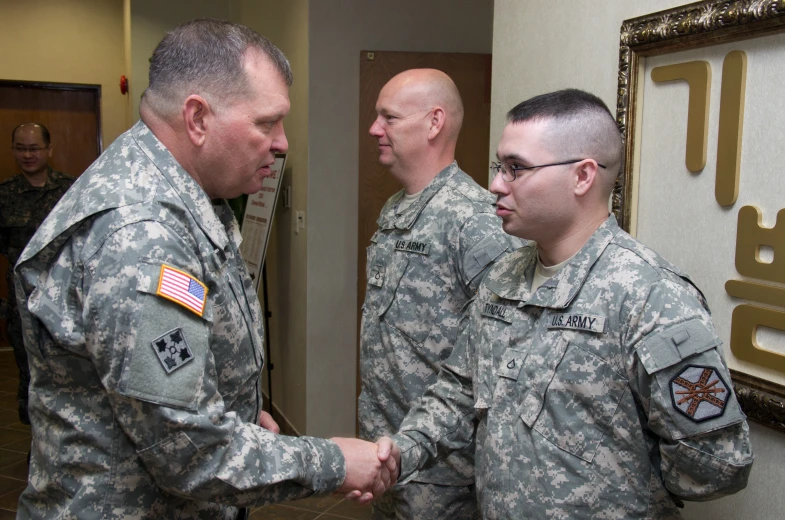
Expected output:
(700, 24)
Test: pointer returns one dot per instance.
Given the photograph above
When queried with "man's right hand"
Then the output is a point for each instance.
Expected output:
(389, 455)
(369, 472)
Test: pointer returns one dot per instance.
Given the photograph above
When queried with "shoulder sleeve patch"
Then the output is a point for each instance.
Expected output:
(699, 392)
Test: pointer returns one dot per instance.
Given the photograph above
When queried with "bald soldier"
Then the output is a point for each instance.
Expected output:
(25, 200)
(436, 239)
(590, 362)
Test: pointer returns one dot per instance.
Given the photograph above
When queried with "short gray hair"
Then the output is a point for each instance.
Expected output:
(205, 57)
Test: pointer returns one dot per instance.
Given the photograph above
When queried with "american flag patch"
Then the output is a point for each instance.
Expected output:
(182, 288)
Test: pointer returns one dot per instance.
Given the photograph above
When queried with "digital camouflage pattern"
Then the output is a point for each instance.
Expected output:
(572, 389)
(114, 435)
(22, 209)
(423, 266)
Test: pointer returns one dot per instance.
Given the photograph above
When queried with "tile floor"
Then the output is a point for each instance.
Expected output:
(15, 444)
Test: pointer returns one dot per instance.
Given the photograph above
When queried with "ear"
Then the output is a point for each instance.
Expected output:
(49, 153)
(585, 176)
(197, 116)
(437, 120)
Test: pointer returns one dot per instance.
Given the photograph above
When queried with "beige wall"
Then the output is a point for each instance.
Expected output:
(339, 30)
(286, 25)
(149, 21)
(68, 41)
(543, 46)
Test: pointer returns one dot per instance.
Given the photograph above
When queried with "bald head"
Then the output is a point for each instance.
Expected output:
(579, 125)
(427, 89)
(35, 130)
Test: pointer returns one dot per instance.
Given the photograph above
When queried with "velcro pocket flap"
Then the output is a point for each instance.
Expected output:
(485, 252)
(674, 344)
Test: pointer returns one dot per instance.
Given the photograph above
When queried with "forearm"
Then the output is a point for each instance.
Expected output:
(240, 463)
(442, 422)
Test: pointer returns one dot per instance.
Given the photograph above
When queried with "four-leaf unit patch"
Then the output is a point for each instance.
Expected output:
(699, 393)
(172, 350)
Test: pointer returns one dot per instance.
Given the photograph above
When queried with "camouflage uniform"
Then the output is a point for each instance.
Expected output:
(22, 209)
(141, 407)
(423, 266)
(601, 395)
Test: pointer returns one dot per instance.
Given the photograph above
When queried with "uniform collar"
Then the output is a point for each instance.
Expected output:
(193, 196)
(49, 184)
(389, 220)
(559, 291)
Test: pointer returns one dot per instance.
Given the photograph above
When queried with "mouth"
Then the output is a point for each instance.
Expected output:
(502, 210)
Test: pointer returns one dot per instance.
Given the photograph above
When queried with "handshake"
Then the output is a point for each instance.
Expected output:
(371, 469)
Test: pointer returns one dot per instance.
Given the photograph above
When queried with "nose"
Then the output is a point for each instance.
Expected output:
(376, 129)
(280, 143)
(499, 186)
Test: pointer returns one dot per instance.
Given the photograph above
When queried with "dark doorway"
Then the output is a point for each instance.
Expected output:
(71, 112)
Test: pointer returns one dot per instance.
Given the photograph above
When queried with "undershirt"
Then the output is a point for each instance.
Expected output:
(542, 274)
(407, 201)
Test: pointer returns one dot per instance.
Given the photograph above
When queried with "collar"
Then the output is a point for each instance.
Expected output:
(49, 184)
(559, 291)
(193, 196)
(389, 220)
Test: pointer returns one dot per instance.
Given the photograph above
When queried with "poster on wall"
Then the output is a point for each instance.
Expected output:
(702, 114)
(258, 218)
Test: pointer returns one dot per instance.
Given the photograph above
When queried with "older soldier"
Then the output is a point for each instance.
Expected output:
(436, 239)
(590, 362)
(141, 322)
(25, 201)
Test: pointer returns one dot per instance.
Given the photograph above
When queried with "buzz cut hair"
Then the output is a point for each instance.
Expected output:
(206, 57)
(579, 125)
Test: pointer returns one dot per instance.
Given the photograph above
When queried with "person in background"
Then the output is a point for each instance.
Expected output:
(25, 200)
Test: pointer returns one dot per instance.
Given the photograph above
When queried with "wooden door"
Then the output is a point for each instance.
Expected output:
(72, 115)
(472, 75)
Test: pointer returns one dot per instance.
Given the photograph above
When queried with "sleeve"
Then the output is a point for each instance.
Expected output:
(482, 242)
(181, 427)
(443, 420)
(684, 388)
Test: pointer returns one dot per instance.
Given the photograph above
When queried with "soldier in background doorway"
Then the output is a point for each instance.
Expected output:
(25, 201)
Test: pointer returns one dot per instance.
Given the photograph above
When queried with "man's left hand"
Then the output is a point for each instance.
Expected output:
(267, 422)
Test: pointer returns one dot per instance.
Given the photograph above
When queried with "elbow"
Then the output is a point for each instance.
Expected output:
(700, 476)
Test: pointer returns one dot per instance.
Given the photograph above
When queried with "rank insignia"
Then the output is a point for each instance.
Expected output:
(699, 393)
(172, 350)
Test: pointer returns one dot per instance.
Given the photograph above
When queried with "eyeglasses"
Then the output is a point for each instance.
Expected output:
(30, 149)
(510, 172)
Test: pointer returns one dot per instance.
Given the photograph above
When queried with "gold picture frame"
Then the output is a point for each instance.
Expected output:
(699, 24)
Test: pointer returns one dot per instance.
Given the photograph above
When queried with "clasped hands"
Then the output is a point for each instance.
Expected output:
(371, 468)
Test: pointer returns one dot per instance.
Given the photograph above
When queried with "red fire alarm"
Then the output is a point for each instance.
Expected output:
(123, 85)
